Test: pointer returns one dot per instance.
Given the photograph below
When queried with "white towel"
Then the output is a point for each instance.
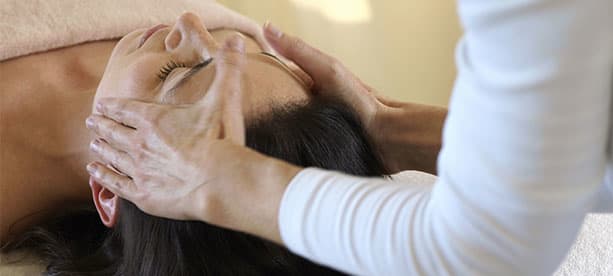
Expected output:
(592, 253)
(31, 26)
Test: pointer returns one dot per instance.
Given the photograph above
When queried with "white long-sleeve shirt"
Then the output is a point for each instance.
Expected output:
(524, 155)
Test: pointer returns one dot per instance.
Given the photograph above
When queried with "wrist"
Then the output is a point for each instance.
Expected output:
(245, 193)
(409, 136)
(380, 129)
(272, 176)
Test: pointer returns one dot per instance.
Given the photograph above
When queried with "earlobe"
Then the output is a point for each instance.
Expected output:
(107, 203)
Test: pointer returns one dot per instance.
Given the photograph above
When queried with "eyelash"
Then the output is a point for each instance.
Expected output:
(167, 69)
(170, 66)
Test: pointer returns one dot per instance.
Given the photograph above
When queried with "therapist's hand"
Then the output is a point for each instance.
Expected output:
(189, 162)
(407, 135)
(331, 78)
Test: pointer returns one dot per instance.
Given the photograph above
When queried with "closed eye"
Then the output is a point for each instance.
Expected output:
(167, 69)
(190, 73)
(272, 56)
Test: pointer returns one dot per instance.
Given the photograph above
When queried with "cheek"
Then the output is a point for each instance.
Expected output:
(141, 80)
(136, 81)
(128, 43)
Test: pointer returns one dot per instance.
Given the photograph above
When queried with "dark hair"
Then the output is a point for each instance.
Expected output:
(319, 133)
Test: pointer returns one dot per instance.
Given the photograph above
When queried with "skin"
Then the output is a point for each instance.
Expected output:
(407, 135)
(46, 152)
(44, 143)
(166, 158)
(132, 74)
(42, 158)
(132, 71)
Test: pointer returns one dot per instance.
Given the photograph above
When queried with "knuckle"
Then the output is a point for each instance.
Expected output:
(153, 116)
(140, 155)
(112, 110)
(122, 160)
(140, 147)
(109, 104)
(232, 63)
(335, 74)
(150, 112)
(119, 113)
(128, 190)
(298, 44)
(115, 161)
(230, 58)
(140, 177)
(112, 130)
(117, 183)
(336, 69)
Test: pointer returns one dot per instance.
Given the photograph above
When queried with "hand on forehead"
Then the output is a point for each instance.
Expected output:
(135, 72)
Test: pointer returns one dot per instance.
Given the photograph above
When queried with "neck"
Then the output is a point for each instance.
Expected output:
(46, 98)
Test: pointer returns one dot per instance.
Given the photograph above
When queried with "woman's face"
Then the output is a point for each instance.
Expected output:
(176, 65)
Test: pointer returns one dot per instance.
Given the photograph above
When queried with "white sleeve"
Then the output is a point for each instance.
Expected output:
(523, 156)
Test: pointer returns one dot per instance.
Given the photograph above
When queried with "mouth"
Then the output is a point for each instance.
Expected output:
(147, 34)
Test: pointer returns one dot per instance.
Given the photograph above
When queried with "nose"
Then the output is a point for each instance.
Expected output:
(189, 36)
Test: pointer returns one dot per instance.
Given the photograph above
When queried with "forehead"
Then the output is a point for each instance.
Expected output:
(265, 83)
(134, 75)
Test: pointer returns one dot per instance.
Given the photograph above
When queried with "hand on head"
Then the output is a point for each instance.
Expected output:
(331, 77)
(189, 162)
(183, 162)
(421, 134)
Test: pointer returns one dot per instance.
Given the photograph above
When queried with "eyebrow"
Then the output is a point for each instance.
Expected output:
(189, 74)
(272, 56)
(202, 65)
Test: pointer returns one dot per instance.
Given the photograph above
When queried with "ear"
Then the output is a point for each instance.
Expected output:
(107, 203)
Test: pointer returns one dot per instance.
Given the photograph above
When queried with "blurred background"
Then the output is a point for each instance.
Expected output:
(402, 48)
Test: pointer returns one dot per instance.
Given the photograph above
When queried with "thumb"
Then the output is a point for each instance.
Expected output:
(226, 92)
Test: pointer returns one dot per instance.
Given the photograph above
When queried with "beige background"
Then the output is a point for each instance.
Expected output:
(403, 48)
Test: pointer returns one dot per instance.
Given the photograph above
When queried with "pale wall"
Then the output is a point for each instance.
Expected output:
(405, 50)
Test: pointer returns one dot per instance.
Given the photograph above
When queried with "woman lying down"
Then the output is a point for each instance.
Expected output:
(46, 206)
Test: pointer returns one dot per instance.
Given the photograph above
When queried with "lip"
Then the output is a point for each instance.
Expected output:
(147, 34)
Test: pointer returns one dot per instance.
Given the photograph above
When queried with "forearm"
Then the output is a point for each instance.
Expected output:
(273, 177)
(514, 187)
(251, 194)
(409, 136)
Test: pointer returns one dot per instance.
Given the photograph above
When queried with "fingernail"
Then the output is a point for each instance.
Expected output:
(99, 108)
(236, 43)
(272, 31)
(95, 145)
(89, 123)
(92, 169)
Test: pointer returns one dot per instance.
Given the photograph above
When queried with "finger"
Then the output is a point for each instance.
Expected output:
(128, 112)
(120, 185)
(120, 160)
(227, 89)
(116, 134)
(320, 66)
